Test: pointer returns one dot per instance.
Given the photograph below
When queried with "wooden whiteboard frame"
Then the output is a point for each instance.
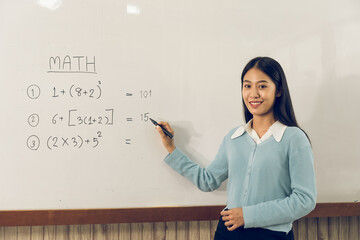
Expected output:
(138, 215)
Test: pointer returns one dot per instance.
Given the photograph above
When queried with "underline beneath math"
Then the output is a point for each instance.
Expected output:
(71, 72)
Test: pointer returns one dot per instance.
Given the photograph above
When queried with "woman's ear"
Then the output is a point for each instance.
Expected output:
(279, 93)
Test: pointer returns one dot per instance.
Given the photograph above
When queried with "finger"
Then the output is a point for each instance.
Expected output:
(228, 224)
(164, 124)
(232, 228)
(165, 136)
(224, 213)
(167, 126)
(161, 132)
(226, 218)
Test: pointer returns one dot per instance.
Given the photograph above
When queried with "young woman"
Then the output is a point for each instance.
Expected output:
(268, 161)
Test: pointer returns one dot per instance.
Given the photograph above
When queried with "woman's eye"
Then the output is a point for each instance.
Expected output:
(246, 86)
(262, 86)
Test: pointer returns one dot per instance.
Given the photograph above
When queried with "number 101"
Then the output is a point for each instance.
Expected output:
(145, 94)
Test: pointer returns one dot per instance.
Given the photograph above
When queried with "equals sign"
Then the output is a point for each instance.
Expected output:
(129, 94)
(127, 141)
(129, 119)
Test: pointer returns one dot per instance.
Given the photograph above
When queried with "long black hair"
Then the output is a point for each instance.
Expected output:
(283, 108)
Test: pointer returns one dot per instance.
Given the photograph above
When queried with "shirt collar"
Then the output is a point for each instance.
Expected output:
(277, 130)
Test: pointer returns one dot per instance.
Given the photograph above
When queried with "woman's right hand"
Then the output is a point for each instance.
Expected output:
(167, 141)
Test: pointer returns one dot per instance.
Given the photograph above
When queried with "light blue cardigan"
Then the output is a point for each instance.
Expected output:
(274, 182)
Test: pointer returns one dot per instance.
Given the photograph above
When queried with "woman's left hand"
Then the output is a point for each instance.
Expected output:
(233, 218)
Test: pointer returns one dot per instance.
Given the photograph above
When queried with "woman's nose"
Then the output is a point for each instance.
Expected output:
(254, 93)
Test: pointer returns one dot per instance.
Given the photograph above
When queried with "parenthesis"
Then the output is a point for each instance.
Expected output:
(82, 141)
(85, 120)
(99, 91)
(47, 143)
(71, 90)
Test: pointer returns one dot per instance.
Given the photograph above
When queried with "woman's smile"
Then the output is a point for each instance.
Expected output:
(255, 104)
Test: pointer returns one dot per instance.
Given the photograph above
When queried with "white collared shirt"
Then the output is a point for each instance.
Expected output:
(277, 130)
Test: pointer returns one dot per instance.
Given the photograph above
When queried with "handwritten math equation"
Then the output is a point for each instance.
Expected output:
(73, 118)
(70, 119)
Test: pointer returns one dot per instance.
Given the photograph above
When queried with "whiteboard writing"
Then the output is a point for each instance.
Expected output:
(89, 120)
(72, 64)
(78, 91)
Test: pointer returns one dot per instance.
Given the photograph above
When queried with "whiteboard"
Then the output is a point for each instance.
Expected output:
(81, 78)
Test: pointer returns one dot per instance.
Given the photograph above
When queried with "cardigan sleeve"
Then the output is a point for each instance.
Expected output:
(206, 179)
(299, 203)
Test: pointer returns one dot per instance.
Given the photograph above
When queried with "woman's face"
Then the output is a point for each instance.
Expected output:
(259, 93)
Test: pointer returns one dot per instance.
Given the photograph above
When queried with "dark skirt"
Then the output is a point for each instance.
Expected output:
(242, 233)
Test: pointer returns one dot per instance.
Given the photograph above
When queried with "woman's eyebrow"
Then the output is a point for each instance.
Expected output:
(260, 81)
